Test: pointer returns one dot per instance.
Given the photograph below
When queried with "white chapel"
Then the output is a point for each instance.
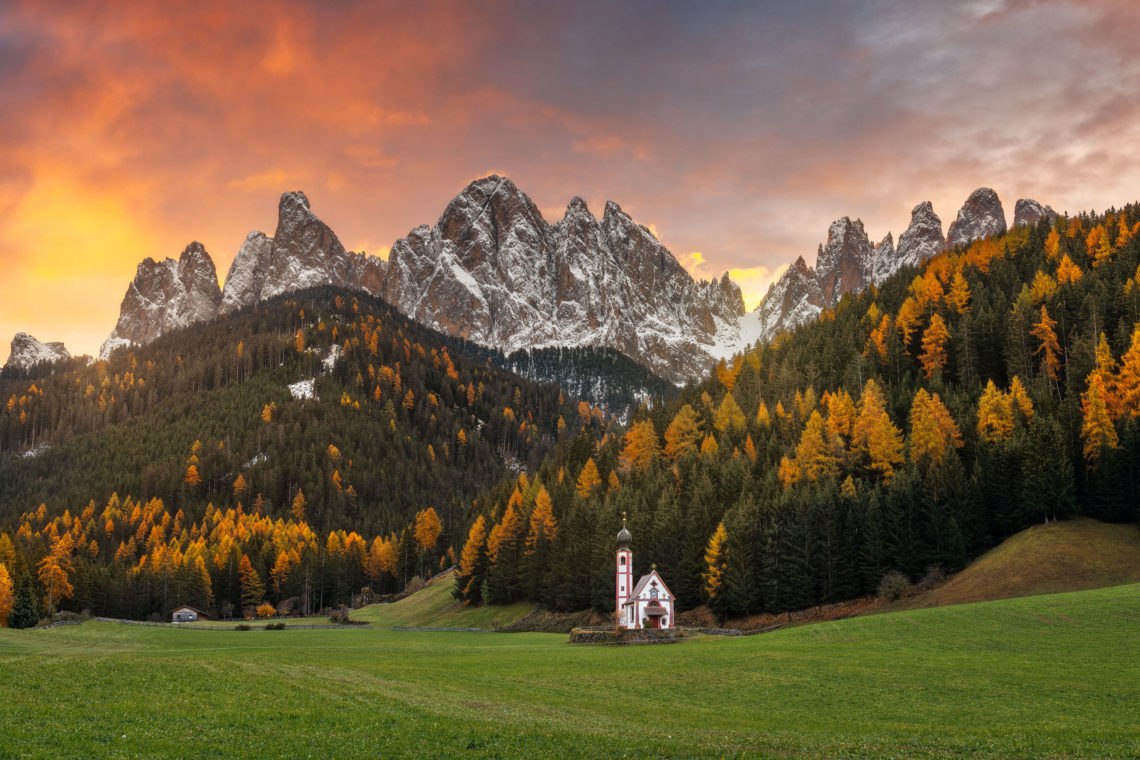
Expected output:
(650, 603)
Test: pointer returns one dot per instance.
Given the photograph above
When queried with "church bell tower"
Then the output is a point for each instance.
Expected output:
(624, 583)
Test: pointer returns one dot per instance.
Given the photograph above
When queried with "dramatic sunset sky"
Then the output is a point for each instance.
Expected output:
(739, 131)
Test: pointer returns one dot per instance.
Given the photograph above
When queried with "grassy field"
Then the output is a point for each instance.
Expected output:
(1042, 676)
(434, 606)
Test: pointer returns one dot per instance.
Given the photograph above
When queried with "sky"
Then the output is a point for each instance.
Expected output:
(736, 131)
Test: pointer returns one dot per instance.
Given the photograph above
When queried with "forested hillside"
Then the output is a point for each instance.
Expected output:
(912, 427)
(326, 409)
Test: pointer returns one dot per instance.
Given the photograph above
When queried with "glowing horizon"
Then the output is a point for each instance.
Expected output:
(736, 134)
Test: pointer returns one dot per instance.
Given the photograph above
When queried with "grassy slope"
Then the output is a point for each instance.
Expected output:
(434, 606)
(1047, 559)
(1043, 676)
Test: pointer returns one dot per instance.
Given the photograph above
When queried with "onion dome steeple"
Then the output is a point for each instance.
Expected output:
(624, 537)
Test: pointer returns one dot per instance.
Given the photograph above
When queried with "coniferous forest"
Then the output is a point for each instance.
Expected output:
(912, 427)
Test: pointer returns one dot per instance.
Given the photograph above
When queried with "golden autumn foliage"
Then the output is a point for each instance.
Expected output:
(729, 415)
(995, 415)
(639, 447)
(1097, 430)
(932, 430)
(265, 610)
(469, 557)
(1128, 381)
(1042, 288)
(816, 453)
(789, 472)
(427, 529)
(588, 479)
(1049, 348)
(709, 447)
(933, 356)
(1019, 400)
(910, 314)
(1068, 273)
(714, 561)
(874, 435)
(959, 296)
(192, 478)
(55, 571)
(683, 434)
(841, 413)
(6, 595)
(877, 340)
(543, 526)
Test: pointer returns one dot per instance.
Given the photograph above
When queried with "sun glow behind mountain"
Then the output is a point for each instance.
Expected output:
(740, 133)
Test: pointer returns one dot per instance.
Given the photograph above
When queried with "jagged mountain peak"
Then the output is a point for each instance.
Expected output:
(980, 216)
(27, 352)
(1028, 212)
(922, 238)
(492, 270)
(166, 295)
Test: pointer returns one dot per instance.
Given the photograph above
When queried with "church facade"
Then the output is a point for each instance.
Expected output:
(647, 604)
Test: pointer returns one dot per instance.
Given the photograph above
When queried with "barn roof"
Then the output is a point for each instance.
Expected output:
(190, 609)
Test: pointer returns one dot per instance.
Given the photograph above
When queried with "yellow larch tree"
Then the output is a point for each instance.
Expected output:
(469, 557)
(1049, 348)
(280, 572)
(932, 429)
(298, 507)
(192, 477)
(714, 561)
(816, 452)
(1128, 381)
(589, 479)
(995, 415)
(877, 340)
(542, 522)
(875, 435)
(1019, 400)
(728, 415)
(6, 595)
(709, 447)
(427, 529)
(1068, 273)
(908, 318)
(639, 447)
(55, 571)
(789, 472)
(683, 434)
(1097, 429)
(933, 357)
(959, 296)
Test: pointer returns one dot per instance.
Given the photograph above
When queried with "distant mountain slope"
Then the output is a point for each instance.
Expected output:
(849, 263)
(491, 271)
(605, 376)
(286, 394)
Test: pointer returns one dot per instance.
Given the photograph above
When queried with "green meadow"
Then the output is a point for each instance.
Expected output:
(1044, 676)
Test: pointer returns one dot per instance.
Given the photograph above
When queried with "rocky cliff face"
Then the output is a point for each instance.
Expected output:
(848, 262)
(302, 253)
(1028, 211)
(27, 352)
(922, 239)
(491, 270)
(494, 271)
(164, 296)
(980, 216)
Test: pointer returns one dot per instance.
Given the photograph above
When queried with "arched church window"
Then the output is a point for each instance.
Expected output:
(622, 560)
